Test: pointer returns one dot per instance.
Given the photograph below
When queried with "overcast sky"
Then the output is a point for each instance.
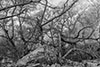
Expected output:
(56, 2)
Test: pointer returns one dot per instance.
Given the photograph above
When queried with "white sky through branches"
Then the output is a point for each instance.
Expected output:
(56, 2)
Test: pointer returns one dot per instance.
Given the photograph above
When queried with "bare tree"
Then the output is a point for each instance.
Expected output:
(48, 26)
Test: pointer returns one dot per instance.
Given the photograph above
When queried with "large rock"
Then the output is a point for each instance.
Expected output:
(78, 55)
(31, 56)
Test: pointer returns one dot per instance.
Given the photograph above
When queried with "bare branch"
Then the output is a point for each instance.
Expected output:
(78, 34)
(22, 4)
(91, 33)
(76, 49)
(21, 30)
(48, 6)
(44, 11)
(11, 16)
(13, 24)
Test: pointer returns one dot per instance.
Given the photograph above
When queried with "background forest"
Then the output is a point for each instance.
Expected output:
(37, 33)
